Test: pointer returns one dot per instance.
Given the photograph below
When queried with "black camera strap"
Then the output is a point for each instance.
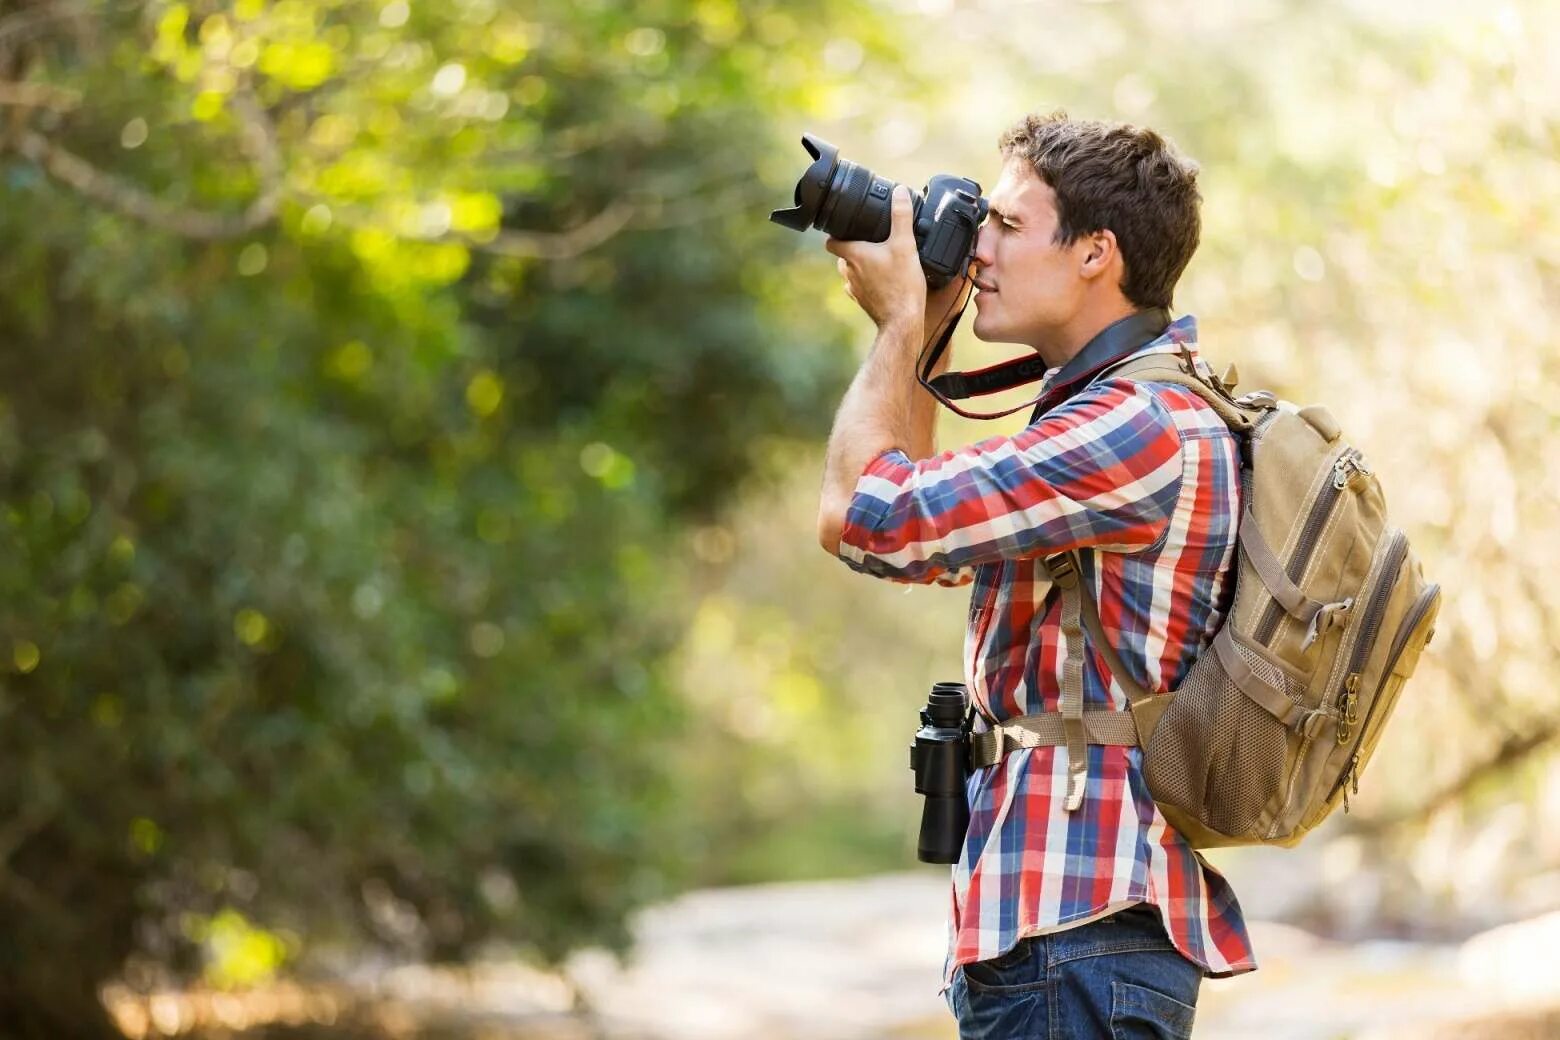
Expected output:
(1114, 342)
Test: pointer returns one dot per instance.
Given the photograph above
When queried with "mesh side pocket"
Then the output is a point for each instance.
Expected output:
(1216, 755)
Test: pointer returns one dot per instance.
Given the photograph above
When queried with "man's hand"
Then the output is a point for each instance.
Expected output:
(885, 406)
(885, 278)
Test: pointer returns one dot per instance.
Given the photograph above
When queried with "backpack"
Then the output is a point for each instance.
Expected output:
(1275, 719)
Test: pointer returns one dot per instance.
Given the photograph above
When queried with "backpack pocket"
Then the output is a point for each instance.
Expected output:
(1413, 634)
(1215, 761)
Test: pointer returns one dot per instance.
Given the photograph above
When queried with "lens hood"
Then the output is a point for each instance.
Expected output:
(812, 187)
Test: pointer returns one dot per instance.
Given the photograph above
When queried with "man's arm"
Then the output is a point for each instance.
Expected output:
(1101, 471)
(885, 407)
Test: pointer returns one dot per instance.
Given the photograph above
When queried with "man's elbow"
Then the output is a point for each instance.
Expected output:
(831, 527)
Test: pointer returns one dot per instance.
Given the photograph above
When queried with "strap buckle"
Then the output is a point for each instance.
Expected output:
(1063, 570)
(989, 747)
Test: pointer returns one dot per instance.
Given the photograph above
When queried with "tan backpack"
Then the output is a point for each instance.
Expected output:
(1276, 718)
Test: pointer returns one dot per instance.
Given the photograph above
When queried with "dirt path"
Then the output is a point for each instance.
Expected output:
(860, 960)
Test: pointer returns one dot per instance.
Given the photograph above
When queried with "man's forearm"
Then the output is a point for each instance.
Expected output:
(884, 408)
(923, 412)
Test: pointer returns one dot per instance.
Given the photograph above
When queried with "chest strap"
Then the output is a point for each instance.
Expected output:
(1071, 726)
(1045, 730)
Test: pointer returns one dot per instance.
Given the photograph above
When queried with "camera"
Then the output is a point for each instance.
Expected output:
(849, 201)
(940, 758)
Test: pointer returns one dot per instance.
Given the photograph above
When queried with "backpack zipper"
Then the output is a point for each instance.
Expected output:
(1365, 634)
(1344, 467)
(1410, 622)
(1374, 607)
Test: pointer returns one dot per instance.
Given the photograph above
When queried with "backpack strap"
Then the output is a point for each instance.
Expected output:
(1071, 726)
(1166, 368)
(1079, 610)
(1064, 575)
(987, 748)
(1182, 372)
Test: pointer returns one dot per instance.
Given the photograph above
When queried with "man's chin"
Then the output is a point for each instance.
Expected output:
(991, 332)
(985, 330)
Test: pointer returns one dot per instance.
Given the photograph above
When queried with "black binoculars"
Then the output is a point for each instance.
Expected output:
(940, 758)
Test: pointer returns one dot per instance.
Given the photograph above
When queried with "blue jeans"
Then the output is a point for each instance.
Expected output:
(1118, 978)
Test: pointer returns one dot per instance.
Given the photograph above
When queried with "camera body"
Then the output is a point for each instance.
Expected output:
(849, 201)
(940, 759)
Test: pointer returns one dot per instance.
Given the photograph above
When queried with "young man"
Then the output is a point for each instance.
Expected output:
(1077, 911)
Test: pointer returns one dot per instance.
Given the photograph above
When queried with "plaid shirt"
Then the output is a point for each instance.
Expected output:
(1148, 475)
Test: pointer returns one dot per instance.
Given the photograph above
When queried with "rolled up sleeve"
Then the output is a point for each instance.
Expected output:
(1102, 470)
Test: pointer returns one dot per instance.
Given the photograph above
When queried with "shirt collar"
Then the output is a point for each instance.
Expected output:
(1146, 331)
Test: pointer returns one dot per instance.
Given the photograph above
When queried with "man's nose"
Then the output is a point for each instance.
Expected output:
(983, 253)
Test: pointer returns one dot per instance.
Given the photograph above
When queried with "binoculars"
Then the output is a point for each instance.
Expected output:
(940, 759)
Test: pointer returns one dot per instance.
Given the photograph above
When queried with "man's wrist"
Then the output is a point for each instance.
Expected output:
(902, 329)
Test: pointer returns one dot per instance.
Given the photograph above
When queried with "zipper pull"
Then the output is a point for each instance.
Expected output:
(1349, 466)
(1351, 699)
(1351, 708)
(1354, 774)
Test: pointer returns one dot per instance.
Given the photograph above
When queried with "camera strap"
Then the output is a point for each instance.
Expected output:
(1113, 343)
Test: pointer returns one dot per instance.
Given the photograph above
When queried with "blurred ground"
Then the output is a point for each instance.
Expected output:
(859, 960)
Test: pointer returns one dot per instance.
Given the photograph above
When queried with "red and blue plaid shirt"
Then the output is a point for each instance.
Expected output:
(1148, 475)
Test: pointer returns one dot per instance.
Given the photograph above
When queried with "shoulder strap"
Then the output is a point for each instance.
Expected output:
(1170, 368)
(1080, 613)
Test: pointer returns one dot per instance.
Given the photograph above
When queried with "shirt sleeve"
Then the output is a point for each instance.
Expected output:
(1102, 470)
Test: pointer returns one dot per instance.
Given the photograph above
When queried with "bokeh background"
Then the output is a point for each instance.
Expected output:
(410, 429)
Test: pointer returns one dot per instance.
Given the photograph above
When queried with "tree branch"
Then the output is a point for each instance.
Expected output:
(39, 95)
(257, 139)
(560, 245)
(1513, 750)
(549, 245)
(32, 20)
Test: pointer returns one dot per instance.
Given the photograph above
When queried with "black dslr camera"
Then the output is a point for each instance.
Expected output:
(940, 758)
(849, 201)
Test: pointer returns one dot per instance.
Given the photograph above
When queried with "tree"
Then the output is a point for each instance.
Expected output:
(361, 359)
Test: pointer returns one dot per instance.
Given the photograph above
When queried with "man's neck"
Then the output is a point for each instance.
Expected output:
(1058, 346)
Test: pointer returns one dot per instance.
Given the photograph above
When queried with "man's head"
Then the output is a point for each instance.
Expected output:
(1089, 222)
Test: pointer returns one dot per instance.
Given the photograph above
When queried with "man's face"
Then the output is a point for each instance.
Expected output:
(1030, 285)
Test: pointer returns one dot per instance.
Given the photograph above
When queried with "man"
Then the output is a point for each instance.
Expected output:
(1075, 913)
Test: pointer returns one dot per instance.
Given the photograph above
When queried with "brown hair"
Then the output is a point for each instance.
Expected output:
(1124, 178)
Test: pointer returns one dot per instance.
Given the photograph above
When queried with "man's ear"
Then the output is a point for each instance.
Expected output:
(1099, 252)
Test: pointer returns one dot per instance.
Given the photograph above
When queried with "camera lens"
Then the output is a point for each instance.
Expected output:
(853, 204)
(841, 198)
(859, 205)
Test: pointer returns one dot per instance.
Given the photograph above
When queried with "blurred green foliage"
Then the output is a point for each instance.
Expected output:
(362, 363)
(394, 395)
